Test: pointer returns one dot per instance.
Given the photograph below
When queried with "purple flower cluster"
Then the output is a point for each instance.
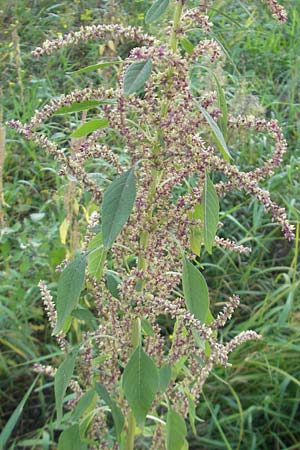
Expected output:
(166, 133)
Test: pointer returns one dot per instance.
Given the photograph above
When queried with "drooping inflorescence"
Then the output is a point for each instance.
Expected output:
(167, 139)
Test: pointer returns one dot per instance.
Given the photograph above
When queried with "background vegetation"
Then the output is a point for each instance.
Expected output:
(256, 403)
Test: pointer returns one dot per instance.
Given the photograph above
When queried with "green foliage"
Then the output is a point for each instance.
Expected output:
(210, 205)
(84, 403)
(187, 45)
(223, 108)
(136, 76)
(97, 66)
(217, 134)
(62, 379)
(156, 10)
(13, 420)
(89, 127)
(140, 384)
(118, 201)
(70, 284)
(116, 413)
(164, 377)
(195, 291)
(69, 439)
(176, 431)
(112, 282)
(261, 411)
(147, 328)
(96, 257)
(78, 106)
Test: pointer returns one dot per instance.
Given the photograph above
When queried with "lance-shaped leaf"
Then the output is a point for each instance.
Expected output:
(164, 377)
(62, 379)
(14, 418)
(147, 327)
(195, 290)
(156, 10)
(86, 402)
(97, 66)
(176, 431)
(140, 384)
(118, 201)
(89, 127)
(97, 256)
(79, 106)
(210, 203)
(192, 413)
(70, 284)
(116, 412)
(70, 439)
(96, 260)
(196, 231)
(112, 283)
(85, 315)
(136, 76)
(223, 107)
(217, 133)
(187, 45)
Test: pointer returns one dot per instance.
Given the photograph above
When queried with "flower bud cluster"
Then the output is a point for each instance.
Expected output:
(278, 11)
(167, 137)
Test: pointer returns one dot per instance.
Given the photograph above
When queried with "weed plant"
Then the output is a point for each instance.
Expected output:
(260, 426)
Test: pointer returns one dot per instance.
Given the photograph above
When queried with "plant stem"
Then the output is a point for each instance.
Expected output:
(176, 20)
(144, 237)
(131, 423)
(129, 444)
(136, 334)
(156, 174)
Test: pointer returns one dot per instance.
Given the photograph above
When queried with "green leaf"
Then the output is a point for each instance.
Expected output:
(70, 284)
(217, 133)
(223, 107)
(116, 412)
(83, 314)
(192, 413)
(176, 431)
(196, 237)
(118, 201)
(12, 421)
(97, 66)
(95, 242)
(97, 256)
(89, 127)
(185, 445)
(62, 379)
(147, 328)
(187, 45)
(96, 260)
(84, 403)
(195, 290)
(79, 106)
(156, 10)
(69, 439)
(112, 283)
(178, 367)
(196, 231)
(164, 377)
(136, 76)
(140, 384)
(209, 319)
(210, 203)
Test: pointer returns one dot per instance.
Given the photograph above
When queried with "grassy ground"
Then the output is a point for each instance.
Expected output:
(254, 404)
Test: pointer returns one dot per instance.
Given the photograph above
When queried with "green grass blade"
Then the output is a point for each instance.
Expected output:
(8, 429)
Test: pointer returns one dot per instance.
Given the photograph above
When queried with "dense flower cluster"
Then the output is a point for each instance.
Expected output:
(165, 134)
(277, 10)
